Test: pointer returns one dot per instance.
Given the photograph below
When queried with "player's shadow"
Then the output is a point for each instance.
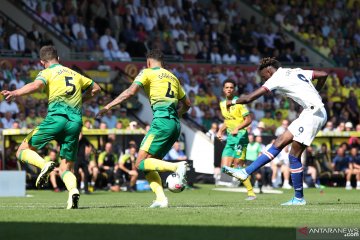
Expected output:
(88, 231)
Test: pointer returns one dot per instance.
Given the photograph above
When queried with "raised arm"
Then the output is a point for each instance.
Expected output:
(244, 99)
(128, 93)
(321, 76)
(27, 89)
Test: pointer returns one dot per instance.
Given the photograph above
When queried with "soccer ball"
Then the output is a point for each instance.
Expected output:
(173, 183)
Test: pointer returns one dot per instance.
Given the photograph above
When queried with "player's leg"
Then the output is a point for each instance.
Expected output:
(69, 140)
(38, 139)
(357, 173)
(296, 170)
(239, 158)
(157, 142)
(348, 174)
(268, 155)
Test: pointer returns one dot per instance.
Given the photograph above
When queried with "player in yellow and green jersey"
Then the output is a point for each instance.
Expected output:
(236, 120)
(164, 92)
(66, 90)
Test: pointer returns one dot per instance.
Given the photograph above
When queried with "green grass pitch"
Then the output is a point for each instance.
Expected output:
(193, 214)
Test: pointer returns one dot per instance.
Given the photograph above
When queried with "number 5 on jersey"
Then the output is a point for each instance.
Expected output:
(69, 84)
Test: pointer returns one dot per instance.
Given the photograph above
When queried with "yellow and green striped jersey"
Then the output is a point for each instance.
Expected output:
(163, 89)
(233, 116)
(64, 88)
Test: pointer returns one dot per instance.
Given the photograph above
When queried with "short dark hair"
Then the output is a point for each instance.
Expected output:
(155, 54)
(48, 53)
(269, 62)
(229, 81)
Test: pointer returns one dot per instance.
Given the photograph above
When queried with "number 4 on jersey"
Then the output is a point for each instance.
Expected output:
(169, 92)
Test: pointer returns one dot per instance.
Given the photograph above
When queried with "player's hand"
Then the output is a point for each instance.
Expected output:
(9, 95)
(229, 103)
(102, 112)
(219, 136)
(235, 132)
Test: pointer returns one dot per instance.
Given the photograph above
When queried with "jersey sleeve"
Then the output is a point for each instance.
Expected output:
(142, 79)
(272, 83)
(42, 76)
(182, 93)
(244, 111)
(123, 158)
(309, 74)
(86, 83)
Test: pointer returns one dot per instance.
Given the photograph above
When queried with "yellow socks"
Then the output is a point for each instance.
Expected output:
(152, 164)
(70, 180)
(154, 179)
(249, 187)
(31, 157)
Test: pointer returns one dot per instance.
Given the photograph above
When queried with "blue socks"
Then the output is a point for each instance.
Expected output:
(296, 170)
(263, 159)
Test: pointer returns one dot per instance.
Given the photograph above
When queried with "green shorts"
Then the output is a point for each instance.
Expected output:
(61, 129)
(161, 136)
(236, 145)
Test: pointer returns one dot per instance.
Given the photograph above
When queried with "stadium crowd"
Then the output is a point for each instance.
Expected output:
(122, 30)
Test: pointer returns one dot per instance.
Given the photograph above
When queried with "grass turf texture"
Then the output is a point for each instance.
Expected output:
(194, 214)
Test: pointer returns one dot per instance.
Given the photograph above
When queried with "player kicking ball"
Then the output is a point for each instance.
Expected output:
(66, 90)
(164, 92)
(296, 84)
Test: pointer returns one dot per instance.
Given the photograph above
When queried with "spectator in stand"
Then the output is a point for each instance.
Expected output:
(328, 127)
(17, 81)
(350, 78)
(124, 56)
(176, 153)
(348, 126)
(123, 118)
(280, 130)
(34, 34)
(80, 43)
(302, 57)
(110, 53)
(203, 54)
(229, 57)
(340, 166)
(108, 164)
(215, 57)
(79, 26)
(109, 119)
(280, 165)
(17, 41)
(10, 107)
(7, 121)
(254, 56)
(106, 38)
(128, 171)
(212, 131)
(48, 14)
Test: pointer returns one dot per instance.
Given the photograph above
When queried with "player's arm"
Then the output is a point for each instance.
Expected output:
(126, 94)
(27, 89)
(221, 131)
(244, 124)
(91, 92)
(185, 106)
(244, 99)
(321, 76)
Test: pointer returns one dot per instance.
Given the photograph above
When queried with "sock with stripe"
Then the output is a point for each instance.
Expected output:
(153, 164)
(31, 157)
(296, 170)
(263, 159)
(69, 179)
(154, 180)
